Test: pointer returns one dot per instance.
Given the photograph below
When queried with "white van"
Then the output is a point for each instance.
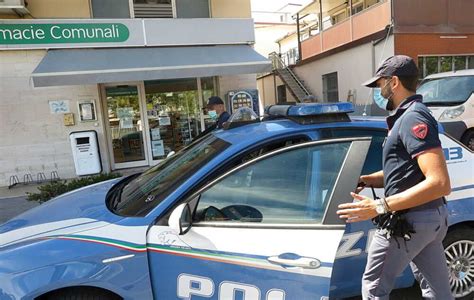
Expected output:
(450, 97)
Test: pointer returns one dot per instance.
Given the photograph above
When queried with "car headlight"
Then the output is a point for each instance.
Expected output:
(452, 113)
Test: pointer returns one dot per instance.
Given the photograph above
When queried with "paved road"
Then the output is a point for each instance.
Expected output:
(11, 207)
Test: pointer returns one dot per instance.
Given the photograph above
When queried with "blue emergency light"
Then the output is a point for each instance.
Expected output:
(309, 109)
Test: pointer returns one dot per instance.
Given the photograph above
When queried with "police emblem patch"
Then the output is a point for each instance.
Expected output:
(420, 130)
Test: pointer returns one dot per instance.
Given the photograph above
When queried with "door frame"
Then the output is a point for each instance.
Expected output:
(141, 104)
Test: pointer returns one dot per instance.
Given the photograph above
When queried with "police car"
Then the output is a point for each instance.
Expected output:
(247, 212)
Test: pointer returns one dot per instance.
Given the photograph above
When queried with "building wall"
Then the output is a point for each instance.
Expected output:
(434, 16)
(267, 90)
(266, 34)
(230, 9)
(33, 139)
(236, 82)
(433, 44)
(51, 9)
(365, 23)
(353, 66)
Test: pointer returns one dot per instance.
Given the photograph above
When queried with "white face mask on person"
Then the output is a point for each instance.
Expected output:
(384, 103)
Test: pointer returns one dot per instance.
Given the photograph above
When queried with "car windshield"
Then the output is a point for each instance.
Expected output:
(447, 90)
(139, 195)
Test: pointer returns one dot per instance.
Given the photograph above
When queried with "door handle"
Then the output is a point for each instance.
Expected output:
(291, 260)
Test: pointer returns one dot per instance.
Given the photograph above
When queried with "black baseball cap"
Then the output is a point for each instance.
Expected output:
(214, 100)
(397, 65)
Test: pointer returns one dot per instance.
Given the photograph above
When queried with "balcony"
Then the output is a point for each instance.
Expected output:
(341, 24)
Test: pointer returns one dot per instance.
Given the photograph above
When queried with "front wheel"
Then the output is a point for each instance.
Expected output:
(80, 293)
(459, 251)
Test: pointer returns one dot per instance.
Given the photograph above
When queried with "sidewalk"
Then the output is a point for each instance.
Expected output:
(19, 190)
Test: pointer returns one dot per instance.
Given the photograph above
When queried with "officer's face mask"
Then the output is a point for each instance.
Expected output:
(384, 101)
(212, 114)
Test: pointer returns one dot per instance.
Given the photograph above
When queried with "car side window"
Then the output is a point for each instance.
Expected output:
(293, 186)
(373, 162)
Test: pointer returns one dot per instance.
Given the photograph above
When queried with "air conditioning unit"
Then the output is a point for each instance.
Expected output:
(13, 7)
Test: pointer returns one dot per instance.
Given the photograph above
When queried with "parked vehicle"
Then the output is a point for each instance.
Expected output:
(247, 212)
(450, 97)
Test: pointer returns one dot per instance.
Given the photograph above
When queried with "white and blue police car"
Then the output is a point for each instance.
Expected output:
(247, 212)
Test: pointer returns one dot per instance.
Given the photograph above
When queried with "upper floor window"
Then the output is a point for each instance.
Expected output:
(153, 8)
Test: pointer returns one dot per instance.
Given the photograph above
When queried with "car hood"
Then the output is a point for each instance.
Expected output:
(79, 210)
(436, 111)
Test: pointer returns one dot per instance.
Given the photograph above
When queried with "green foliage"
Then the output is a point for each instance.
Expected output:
(56, 188)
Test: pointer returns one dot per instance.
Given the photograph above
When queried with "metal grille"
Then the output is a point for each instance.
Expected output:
(147, 10)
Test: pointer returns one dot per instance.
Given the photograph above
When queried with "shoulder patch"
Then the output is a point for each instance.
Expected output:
(420, 130)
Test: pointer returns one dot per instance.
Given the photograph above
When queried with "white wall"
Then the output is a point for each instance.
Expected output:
(32, 139)
(267, 34)
(353, 67)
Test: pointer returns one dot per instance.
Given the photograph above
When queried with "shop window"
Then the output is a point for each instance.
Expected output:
(208, 88)
(330, 88)
(173, 114)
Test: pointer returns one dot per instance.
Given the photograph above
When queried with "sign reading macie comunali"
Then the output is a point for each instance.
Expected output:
(61, 33)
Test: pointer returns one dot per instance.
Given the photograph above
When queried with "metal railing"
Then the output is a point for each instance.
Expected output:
(281, 68)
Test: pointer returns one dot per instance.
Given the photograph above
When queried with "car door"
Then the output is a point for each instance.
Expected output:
(266, 229)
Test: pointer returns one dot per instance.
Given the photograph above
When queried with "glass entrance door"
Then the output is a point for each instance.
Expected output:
(174, 115)
(125, 126)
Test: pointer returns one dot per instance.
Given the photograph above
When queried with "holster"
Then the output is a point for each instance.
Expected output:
(394, 224)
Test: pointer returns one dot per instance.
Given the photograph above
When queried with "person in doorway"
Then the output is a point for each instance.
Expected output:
(412, 217)
(216, 110)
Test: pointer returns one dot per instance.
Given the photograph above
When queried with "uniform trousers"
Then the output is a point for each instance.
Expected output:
(388, 257)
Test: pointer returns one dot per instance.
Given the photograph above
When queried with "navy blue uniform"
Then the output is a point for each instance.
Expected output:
(412, 131)
(222, 119)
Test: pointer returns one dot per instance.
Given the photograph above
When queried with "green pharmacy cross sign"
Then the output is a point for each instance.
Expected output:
(61, 33)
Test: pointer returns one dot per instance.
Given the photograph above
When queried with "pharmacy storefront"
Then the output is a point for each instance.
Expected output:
(139, 85)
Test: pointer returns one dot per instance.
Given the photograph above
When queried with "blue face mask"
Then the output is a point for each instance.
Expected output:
(379, 99)
(212, 114)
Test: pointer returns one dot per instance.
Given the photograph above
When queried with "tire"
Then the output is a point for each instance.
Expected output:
(459, 250)
(81, 293)
(468, 139)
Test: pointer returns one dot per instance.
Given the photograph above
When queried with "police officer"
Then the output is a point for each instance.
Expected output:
(415, 179)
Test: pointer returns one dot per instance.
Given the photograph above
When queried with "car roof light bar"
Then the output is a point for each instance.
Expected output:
(309, 109)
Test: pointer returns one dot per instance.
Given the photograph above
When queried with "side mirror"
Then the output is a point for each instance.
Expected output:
(180, 219)
(171, 153)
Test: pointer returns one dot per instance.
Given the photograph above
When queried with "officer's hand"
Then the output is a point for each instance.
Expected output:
(361, 184)
(360, 210)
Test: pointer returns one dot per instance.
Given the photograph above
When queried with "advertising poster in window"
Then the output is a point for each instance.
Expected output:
(125, 114)
(157, 148)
